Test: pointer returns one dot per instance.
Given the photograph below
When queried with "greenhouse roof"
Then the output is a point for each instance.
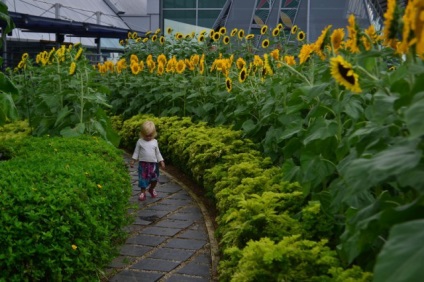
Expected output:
(42, 19)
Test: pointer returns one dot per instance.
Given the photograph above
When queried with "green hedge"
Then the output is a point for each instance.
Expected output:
(267, 230)
(64, 202)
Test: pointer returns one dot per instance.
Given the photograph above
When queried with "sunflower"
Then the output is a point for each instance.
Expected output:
(133, 57)
(265, 43)
(250, 36)
(275, 54)
(343, 73)
(290, 60)
(141, 65)
(145, 39)
(240, 63)
(135, 68)
(72, 68)
(242, 75)
(201, 66)
(391, 17)
(157, 31)
(161, 69)
(267, 66)
(275, 32)
(228, 84)
(223, 30)
(234, 31)
(352, 42)
(78, 55)
(24, 56)
(301, 36)
(201, 38)
(319, 45)
(162, 40)
(216, 36)
(305, 52)
(280, 26)
(257, 61)
(162, 59)
(264, 29)
(337, 38)
(21, 65)
(226, 39)
(169, 30)
(241, 34)
(154, 37)
(293, 29)
(135, 35)
(179, 35)
(181, 66)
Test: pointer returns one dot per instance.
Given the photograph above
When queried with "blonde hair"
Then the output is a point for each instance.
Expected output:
(148, 128)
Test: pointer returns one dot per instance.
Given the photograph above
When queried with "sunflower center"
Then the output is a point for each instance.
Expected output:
(344, 72)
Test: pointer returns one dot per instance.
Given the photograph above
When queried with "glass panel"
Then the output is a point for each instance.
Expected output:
(169, 4)
(211, 3)
(208, 18)
(183, 16)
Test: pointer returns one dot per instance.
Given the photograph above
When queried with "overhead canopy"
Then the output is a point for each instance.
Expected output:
(31, 23)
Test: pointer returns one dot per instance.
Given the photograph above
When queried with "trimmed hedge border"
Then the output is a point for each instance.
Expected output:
(64, 203)
(267, 230)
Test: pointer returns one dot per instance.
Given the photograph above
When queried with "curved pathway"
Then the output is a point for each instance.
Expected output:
(172, 238)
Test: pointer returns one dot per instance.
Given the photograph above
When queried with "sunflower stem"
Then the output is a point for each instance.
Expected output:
(298, 73)
(367, 73)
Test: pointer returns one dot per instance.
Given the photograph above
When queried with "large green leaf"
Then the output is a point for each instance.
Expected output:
(402, 256)
(414, 117)
(363, 173)
(321, 129)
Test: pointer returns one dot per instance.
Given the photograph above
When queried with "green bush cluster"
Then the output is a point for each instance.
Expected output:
(267, 230)
(64, 203)
(15, 130)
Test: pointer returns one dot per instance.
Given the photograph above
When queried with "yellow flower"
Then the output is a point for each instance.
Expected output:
(250, 36)
(228, 84)
(72, 68)
(157, 31)
(180, 66)
(264, 29)
(216, 36)
(223, 30)
(265, 43)
(280, 26)
(24, 56)
(78, 55)
(275, 31)
(234, 31)
(74, 247)
(161, 68)
(162, 40)
(337, 38)
(99, 186)
(243, 75)
(321, 42)
(343, 73)
(241, 34)
(226, 39)
(290, 60)
(352, 42)
(154, 37)
(169, 30)
(135, 67)
(201, 38)
(301, 36)
(240, 63)
(305, 52)
(294, 29)
(133, 57)
(275, 54)
(390, 23)
(21, 65)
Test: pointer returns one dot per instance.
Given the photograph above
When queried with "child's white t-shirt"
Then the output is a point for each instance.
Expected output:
(147, 151)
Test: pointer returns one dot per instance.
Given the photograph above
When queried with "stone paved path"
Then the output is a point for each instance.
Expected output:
(171, 238)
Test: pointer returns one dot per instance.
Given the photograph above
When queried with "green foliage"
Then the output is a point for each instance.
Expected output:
(315, 223)
(291, 259)
(15, 130)
(63, 205)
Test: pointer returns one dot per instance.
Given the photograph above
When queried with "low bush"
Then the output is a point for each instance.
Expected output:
(63, 204)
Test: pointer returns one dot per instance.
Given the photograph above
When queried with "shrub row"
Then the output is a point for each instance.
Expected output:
(63, 202)
(267, 230)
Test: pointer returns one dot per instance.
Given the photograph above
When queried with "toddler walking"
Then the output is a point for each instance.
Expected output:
(148, 155)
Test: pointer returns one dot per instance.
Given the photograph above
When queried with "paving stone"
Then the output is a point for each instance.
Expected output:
(177, 202)
(170, 187)
(146, 240)
(139, 221)
(154, 214)
(162, 207)
(183, 195)
(121, 261)
(172, 254)
(187, 216)
(195, 269)
(134, 276)
(134, 250)
(160, 231)
(155, 265)
(170, 223)
(202, 258)
(185, 278)
(194, 234)
(189, 244)
(191, 209)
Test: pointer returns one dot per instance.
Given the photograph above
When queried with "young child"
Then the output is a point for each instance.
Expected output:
(148, 156)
